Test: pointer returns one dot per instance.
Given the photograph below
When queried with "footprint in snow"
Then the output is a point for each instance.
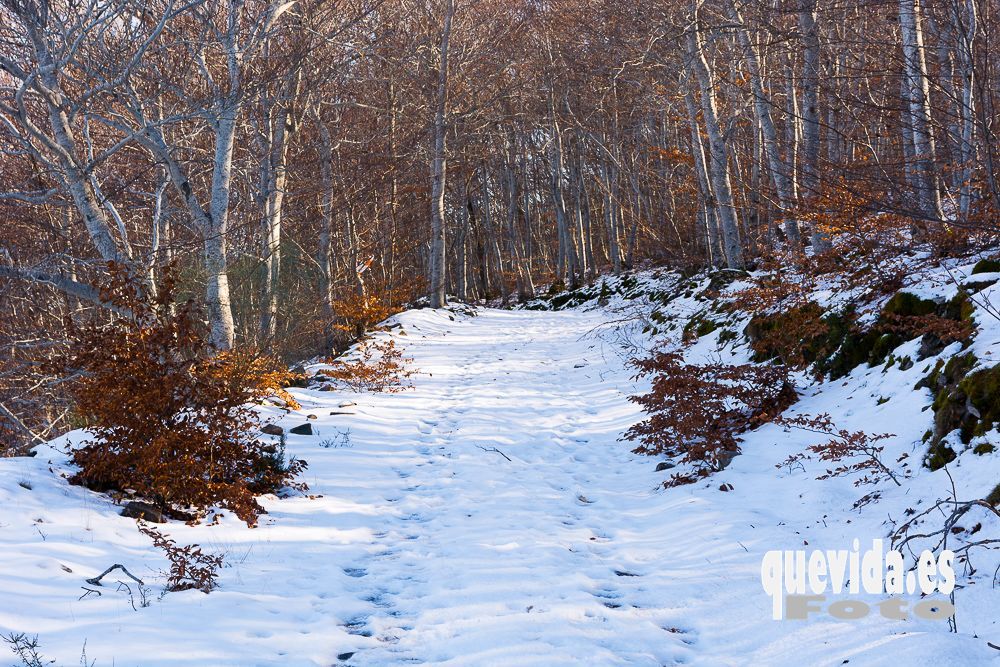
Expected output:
(379, 599)
(609, 599)
(626, 573)
(358, 626)
(689, 637)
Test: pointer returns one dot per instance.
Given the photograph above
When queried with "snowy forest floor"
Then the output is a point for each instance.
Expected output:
(489, 516)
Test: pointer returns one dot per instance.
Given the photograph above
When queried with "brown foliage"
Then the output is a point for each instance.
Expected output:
(379, 367)
(860, 450)
(170, 417)
(190, 567)
(699, 411)
(358, 313)
(945, 329)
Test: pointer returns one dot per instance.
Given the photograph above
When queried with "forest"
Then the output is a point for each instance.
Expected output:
(311, 166)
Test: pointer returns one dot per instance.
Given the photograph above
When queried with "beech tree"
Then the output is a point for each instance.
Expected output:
(311, 166)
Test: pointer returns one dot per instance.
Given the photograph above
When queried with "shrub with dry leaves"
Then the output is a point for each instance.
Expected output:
(171, 417)
(697, 412)
(378, 367)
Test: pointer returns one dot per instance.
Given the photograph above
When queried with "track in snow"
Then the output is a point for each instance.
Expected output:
(530, 560)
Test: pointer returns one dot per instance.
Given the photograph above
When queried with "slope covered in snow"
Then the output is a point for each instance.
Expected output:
(491, 516)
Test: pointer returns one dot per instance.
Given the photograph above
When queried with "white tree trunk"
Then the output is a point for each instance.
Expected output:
(762, 111)
(437, 259)
(718, 166)
(918, 99)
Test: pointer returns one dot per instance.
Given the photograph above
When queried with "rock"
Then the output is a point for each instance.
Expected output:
(665, 465)
(272, 429)
(347, 404)
(327, 387)
(299, 378)
(986, 266)
(144, 511)
(726, 487)
(302, 429)
(725, 458)
(930, 346)
(311, 417)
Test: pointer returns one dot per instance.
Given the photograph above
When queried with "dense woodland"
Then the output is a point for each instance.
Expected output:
(306, 167)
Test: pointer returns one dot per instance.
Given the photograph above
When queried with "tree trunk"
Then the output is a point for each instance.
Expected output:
(918, 99)
(276, 171)
(217, 302)
(768, 132)
(325, 245)
(810, 113)
(438, 259)
(718, 154)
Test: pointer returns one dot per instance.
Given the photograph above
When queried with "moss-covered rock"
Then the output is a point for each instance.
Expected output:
(960, 308)
(699, 326)
(983, 391)
(905, 304)
(986, 266)
(726, 336)
(984, 448)
(965, 401)
(994, 497)
(834, 344)
(939, 456)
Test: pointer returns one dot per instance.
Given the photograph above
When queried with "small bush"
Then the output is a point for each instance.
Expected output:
(171, 417)
(379, 367)
(190, 567)
(697, 412)
(26, 648)
(859, 449)
(358, 313)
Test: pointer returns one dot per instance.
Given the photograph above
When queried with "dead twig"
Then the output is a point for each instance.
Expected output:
(88, 593)
(494, 449)
(96, 581)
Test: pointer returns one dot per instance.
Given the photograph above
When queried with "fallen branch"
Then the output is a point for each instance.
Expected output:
(89, 592)
(494, 449)
(96, 581)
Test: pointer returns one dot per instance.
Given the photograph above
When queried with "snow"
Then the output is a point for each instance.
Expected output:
(491, 516)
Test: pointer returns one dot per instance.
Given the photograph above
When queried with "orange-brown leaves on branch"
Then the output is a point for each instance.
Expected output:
(171, 419)
(697, 412)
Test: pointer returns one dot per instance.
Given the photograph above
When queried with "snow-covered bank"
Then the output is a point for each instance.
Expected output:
(491, 516)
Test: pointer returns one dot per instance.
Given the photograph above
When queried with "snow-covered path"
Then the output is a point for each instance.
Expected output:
(489, 516)
(528, 560)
